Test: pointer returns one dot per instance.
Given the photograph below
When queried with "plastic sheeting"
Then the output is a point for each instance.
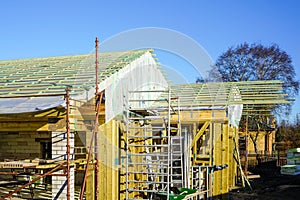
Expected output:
(141, 74)
(235, 114)
(32, 104)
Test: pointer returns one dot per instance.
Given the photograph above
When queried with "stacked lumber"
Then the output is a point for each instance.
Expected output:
(293, 162)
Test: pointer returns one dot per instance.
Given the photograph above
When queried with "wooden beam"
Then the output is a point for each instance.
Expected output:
(196, 138)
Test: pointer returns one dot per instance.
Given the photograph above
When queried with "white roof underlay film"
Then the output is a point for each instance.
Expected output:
(118, 73)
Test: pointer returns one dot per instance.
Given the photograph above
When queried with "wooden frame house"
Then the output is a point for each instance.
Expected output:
(145, 138)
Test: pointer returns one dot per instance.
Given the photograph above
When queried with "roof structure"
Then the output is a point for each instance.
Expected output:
(45, 76)
(53, 74)
(19, 79)
(254, 95)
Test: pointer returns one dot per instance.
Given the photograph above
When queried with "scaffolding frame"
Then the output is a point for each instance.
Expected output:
(67, 163)
(155, 153)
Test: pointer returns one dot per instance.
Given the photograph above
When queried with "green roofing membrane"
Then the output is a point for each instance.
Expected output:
(54, 74)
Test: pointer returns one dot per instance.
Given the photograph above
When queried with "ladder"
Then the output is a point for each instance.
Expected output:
(153, 153)
(176, 176)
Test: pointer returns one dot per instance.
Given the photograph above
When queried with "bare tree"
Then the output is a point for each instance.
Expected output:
(250, 62)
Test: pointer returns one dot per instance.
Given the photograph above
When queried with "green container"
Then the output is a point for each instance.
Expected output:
(182, 193)
(171, 196)
(186, 191)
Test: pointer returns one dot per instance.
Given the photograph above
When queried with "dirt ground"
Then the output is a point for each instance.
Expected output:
(281, 187)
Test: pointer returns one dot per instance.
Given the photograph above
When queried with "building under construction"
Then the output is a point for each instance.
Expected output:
(111, 126)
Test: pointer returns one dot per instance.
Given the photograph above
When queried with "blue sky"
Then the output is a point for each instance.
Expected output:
(35, 28)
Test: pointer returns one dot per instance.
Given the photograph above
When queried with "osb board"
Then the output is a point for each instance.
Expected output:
(201, 116)
(24, 126)
(223, 154)
(108, 177)
(232, 164)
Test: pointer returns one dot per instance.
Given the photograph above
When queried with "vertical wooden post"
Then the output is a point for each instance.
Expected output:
(96, 65)
(246, 145)
(68, 141)
(98, 104)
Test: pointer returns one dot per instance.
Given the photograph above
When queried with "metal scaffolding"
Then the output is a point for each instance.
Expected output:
(66, 165)
(153, 144)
